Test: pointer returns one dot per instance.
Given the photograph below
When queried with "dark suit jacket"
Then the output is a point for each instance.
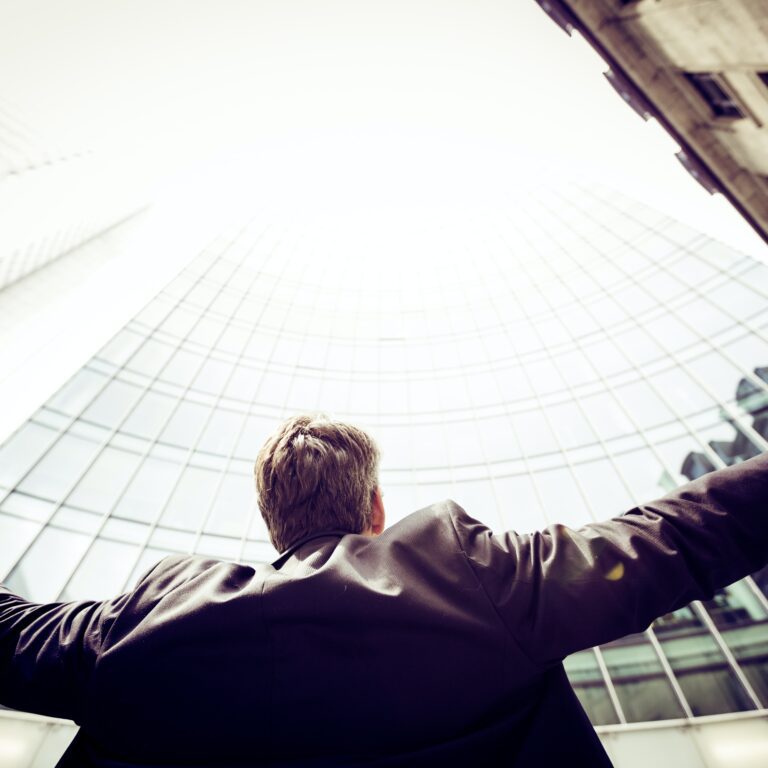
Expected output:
(435, 643)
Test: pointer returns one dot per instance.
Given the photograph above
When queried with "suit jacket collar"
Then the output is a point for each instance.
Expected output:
(280, 562)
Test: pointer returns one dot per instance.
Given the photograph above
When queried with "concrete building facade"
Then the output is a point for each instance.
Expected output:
(701, 68)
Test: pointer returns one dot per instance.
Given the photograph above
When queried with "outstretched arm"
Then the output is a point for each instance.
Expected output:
(561, 590)
(45, 652)
(48, 651)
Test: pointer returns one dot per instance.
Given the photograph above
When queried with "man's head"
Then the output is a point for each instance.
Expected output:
(313, 475)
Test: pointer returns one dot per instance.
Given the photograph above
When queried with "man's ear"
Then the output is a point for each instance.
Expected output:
(377, 513)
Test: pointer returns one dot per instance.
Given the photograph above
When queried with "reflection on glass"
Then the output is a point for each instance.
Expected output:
(584, 675)
(643, 688)
(743, 623)
(709, 684)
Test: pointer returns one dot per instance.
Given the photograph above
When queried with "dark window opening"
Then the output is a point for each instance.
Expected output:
(710, 88)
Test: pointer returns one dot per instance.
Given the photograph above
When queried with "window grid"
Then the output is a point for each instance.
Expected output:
(565, 458)
(608, 453)
(244, 538)
(186, 461)
(103, 444)
(190, 450)
(537, 355)
(717, 461)
(222, 294)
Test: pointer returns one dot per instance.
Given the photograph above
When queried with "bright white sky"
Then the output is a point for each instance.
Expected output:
(351, 108)
(339, 104)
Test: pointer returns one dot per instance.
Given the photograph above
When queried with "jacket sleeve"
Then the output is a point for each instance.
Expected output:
(561, 590)
(47, 651)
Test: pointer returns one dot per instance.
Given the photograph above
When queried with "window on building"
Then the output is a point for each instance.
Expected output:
(764, 77)
(713, 90)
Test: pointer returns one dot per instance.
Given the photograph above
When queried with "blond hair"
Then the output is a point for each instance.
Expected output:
(314, 474)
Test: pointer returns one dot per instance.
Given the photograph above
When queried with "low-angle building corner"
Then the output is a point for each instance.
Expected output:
(700, 69)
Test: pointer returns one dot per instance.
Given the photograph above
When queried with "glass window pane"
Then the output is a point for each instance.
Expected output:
(213, 376)
(148, 559)
(534, 432)
(76, 520)
(28, 507)
(305, 391)
(255, 432)
(191, 499)
(719, 375)
(608, 497)
(185, 424)
(103, 571)
(125, 531)
(644, 404)
(243, 384)
(15, 537)
(575, 367)
(150, 358)
(708, 683)
(743, 624)
(562, 500)
(78, 392)
(737, 299)
(22, 450)
(60, 468)
(571, 426)
(606, 416)
(478, 499)
(520, 507)
(182, 367)
(670, 332)
(606, 357)
(105, 480)
(148, 490)
(705, 317)
(513, 384)
(463, 442)
(273, 387)
(643, 473)
(682, 392)
(112, 403)
(643, 689)
(544, 376)
(639, 345)
(121, 347)
(584, 675)
(206, 331)
(47, 565)
(499, 442)
(221, 432)
(427, 446)
(172, 539)
(232, 506)
(149, 416)
(219, 547)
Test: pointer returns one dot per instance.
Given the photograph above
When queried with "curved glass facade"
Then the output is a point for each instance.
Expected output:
(558, 361)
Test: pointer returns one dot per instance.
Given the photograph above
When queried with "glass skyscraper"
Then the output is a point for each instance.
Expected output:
(56, 195)
(555, 361)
